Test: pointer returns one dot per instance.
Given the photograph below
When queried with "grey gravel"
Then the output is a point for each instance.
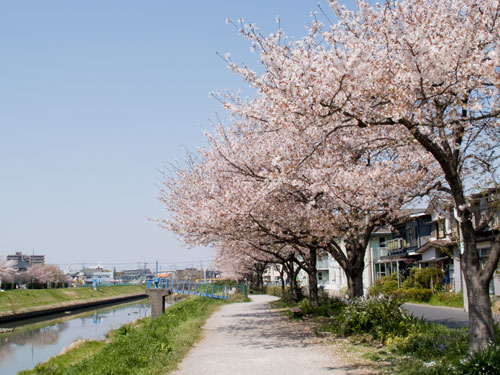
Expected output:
(251, 338)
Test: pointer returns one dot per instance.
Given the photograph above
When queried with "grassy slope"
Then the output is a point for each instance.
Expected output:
(18, 299)
(144, 348)
(75, 353)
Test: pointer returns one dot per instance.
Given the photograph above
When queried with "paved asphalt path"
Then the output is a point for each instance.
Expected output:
(252, 339)
(450, 316)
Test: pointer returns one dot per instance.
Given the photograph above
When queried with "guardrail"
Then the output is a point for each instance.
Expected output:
(189, 287)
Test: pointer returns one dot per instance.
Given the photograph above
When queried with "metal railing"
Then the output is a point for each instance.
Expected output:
(190, 287)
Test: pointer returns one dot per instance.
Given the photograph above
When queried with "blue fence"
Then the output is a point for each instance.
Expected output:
(190, 287)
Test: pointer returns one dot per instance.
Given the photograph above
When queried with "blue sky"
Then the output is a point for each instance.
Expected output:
(95, 98)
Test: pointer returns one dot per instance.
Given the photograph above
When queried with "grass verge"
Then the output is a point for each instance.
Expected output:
(395, 343)
(75, 353)
(145, 347)
(20, 299)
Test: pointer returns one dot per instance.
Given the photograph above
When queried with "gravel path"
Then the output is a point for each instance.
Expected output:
(251, 338)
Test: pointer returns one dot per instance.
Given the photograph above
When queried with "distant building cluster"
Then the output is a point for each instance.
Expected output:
(22, 261)
(22, 272)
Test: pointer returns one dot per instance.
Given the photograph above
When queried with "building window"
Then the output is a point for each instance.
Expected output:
(483, 254)
(441, 229)
(411, 236)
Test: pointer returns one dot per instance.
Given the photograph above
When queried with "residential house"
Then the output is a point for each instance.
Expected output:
(271, 275)
(408, 235)
(442, 248)
(485, 207)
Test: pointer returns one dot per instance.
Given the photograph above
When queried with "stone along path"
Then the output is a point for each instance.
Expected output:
(251, 338)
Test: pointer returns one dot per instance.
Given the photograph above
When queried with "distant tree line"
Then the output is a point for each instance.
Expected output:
(38, 276)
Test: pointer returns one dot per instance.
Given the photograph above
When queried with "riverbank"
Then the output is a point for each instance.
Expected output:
(25, 303)
(145, 346)
(38, 341)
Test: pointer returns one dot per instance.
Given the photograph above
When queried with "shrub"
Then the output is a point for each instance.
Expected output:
(275, 290)
(422, 278)
(329, 307)
(378, 317)
(386, 285)
(415, 294)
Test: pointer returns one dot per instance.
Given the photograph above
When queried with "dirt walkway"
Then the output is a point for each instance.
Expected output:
(250, 338)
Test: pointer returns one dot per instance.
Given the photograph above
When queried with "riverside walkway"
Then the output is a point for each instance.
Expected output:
(251, 338)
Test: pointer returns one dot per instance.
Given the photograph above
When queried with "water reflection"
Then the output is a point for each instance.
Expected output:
(36, 337)
(28, 346)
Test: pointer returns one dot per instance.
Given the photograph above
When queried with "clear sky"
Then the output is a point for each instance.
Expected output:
(96, 97)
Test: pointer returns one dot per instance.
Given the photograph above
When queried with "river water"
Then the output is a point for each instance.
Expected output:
(34, 343)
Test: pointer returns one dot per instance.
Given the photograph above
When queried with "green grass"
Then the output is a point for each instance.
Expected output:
(447, 299)
(19, 299)
(59, 364)
(147, 347)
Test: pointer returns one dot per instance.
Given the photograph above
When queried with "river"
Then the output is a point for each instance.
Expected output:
(31, 344)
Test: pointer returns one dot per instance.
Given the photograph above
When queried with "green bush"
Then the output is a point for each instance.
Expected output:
(422, 278)
(379, 317)
(275, 290)
(386, 285)
(328, 307)
(415, 294)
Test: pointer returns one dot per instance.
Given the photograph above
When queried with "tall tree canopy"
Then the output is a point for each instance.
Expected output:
(428, 70)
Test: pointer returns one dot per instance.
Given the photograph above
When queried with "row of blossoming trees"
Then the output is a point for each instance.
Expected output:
(349, 126)
(38, 275)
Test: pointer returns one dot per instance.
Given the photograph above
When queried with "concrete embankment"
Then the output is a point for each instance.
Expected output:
(11, 316)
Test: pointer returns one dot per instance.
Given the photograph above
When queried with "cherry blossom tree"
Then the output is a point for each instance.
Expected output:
(41, 273)
(7, 271)
(425, 70)
(245, 189)
(341, 186)
(215, 201)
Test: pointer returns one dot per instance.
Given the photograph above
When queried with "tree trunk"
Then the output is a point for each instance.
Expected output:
(313, 282)
(292, 280)
(480, 314)
(355, 249)
(355, 282)
(294, 295)
(259, 276)
(282, 278)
